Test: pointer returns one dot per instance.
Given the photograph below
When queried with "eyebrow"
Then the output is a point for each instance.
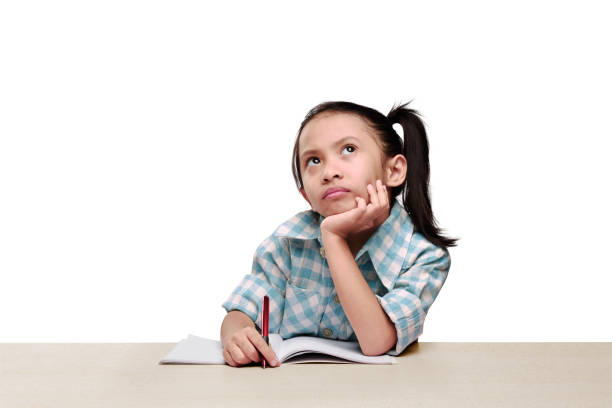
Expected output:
(339, 142)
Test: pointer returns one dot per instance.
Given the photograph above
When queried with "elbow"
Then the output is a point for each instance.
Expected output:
(373, 354)
(382, 348)
(376, 352)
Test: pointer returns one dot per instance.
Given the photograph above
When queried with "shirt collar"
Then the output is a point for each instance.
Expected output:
(387, 247)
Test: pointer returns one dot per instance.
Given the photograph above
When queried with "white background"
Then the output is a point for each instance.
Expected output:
(145, 152)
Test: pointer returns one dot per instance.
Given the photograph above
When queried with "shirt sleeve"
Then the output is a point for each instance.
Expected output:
(271, 266)
(415, 290)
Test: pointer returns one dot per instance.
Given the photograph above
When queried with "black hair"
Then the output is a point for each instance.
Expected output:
(414, 147)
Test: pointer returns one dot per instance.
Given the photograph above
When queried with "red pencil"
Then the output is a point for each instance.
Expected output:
(264, 326)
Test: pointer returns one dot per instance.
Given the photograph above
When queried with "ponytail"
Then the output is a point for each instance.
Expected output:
(415, 190)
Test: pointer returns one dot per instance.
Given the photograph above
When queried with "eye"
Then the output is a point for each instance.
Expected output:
(309, 159)
(349, 146)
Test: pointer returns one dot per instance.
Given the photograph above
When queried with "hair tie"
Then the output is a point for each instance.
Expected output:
(399, 129)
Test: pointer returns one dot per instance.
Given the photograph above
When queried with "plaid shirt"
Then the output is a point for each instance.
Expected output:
(404, 270)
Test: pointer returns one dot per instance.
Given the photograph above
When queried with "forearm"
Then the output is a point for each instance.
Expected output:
(374, 330)
(234, 320)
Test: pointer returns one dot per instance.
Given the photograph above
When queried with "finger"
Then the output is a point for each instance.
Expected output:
(228, 358)
(266, 351)
(382, 193)
(373, 195)
(261, 345)
(237, 355)
(361, 204)
(248, 347)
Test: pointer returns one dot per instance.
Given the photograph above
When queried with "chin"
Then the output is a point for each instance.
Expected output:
(335, 208)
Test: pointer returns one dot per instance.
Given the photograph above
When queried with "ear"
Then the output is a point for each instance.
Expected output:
(395, 170)
(304, 195)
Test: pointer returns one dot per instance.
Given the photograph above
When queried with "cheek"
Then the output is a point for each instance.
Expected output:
(363, 188)
(309, 192)
(364, 194)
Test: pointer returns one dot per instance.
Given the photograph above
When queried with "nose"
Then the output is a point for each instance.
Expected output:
(331, 170)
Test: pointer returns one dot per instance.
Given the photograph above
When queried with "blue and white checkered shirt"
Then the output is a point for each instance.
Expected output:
(404, 270)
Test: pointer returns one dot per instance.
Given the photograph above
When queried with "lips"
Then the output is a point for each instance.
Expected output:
(334, 190)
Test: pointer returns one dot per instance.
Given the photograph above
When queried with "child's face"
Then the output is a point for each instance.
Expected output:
(334, 161)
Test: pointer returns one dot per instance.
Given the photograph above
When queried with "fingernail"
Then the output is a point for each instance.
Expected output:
(275, 363)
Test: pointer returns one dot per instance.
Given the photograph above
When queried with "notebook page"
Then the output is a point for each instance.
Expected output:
(348, 350)
(195, 350)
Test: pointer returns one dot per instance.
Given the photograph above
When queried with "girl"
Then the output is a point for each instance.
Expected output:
(360, 265)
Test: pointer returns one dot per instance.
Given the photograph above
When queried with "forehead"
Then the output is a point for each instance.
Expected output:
(326, 128)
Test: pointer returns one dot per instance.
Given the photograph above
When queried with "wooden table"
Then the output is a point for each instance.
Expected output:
(427, 375)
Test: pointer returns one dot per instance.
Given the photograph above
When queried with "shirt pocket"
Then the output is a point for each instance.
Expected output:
(307, 267)
(302, 312)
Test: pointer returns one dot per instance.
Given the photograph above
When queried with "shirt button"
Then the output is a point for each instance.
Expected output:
(327, 332)
(336, 299)
(322, 252)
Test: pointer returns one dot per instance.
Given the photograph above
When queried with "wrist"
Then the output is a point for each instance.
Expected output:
(327, 234)
(330, 238)
(234, 320)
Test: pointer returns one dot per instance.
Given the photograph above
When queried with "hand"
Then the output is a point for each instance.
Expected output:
(242, 348)
(362, 217)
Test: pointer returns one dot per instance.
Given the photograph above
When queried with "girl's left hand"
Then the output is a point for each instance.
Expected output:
(361, 218)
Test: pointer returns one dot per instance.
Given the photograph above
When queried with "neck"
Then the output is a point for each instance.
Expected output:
(357, 241)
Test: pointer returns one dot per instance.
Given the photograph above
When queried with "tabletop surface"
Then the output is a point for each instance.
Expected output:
(428, 374)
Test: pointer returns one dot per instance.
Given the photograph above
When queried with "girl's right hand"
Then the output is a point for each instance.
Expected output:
(244, 346)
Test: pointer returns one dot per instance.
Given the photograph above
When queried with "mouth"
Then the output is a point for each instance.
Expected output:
(335, 192)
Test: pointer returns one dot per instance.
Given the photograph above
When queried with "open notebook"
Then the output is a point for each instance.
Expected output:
(296, 350)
